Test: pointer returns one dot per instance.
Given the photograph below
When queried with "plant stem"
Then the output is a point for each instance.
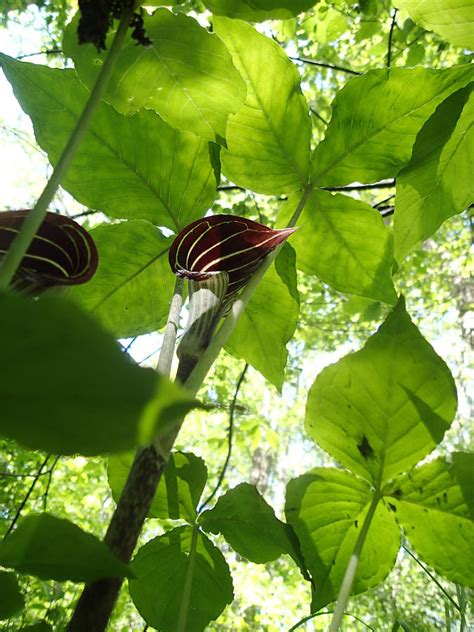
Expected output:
(169, 339)
(351, 568)
(34, 219)
(188, 582)
(194, 381)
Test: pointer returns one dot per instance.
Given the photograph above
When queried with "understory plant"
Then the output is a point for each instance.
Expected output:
(156, 110)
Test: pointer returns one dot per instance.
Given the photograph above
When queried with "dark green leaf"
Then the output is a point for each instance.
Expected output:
(259, 10)
(127, 166)
(437, 182)
(179, 490)
(41, 626)
(65, 386)
(326, 508)
(376, 119)
(345, 243)
(161, 568)
(11, 599)
(52, 548)
(435, 506)
(382, 409)
(268, 139)
(131, 290)
(186, 75)
(249, 525)
(268, 322)
(452, 19)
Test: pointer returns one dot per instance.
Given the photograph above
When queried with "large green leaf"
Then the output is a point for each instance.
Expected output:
(65, 386)
(186, 74)
(11, 599)
(249, 525)
(326, 508)
(437, 182)
(259, 10)
(345, 243)
(269, 321)
(52, 548)
(162, 568)
(382, 409)
(268, 139)
(126, 166)
(375, 121)
(435, 506)
(178, 491)
(452, 19)
(132, 287)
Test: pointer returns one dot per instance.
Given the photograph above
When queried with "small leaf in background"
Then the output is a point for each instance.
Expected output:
(67, 388)
(268, 139)
(61, 253)
(53, 548)
(437, 182)
(345, 243)
(434, 504)
(178, 491)
(326, 508)
(382, 409)
(269, 321)
(161, 568)
(131, 291)
(375, 120)
(249, 525)
(224, 243)
(194, 84)
(11, 599)
(452, 19)
(259, 10)
(135, 167)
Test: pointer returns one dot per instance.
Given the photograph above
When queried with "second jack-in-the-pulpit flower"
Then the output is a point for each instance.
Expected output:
(217, 255)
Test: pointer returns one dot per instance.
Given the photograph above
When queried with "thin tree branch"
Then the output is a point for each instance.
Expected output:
(52, 51)
(320, 614)
(384, 201)
(388, 184)
(84, 214)
(229, 187)
(386, 211)
(318, 116)
(229, 439)
(322, 64)
(48, 484)
(27, 495)
(390, 38)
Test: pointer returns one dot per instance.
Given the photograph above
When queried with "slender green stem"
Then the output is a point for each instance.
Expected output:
(353, 564)
(194, 381)
(320, 614)
(169, 338)
(34, 219)
(433, 578)
(188, 582)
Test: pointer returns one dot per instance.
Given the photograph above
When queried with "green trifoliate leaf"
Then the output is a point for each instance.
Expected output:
(131, 290)
(259, 10)
(269, 321)
(186, 74)
(452, 19)
(326, 508)
(382, 409)
(134, 167)
(163, 567)
(179, 490)
(249, 525)
(268, 139)
(437, 182)
(67, 388)
(11, 599)
(345, 243)
(435, 506)
(375, 121)
(52, 548)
